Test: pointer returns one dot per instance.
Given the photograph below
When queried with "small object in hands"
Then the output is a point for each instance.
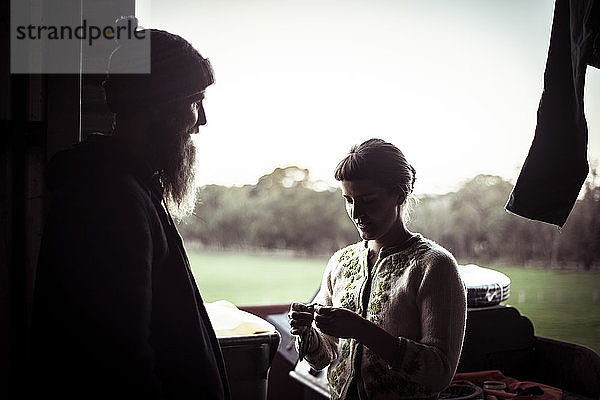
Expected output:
(304, 344)
(306, 336)
(309, 307)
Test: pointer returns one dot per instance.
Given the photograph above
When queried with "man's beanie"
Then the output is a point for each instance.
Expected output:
(177, 72)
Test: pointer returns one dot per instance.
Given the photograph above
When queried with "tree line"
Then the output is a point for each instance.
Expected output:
(286, 210)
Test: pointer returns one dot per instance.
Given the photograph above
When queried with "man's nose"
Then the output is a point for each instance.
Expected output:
(201, 120)
(201, 116)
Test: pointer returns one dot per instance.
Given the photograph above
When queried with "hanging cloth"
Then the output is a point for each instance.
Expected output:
(556, 165)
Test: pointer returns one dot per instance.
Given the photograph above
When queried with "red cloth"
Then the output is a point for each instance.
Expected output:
(512, 384)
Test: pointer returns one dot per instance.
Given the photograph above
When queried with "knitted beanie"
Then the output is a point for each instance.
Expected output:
(177, 72)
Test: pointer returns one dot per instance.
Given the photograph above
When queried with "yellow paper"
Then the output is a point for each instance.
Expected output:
(228, 320)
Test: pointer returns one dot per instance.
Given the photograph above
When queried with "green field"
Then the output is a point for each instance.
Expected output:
(561, 304)
(245, 279)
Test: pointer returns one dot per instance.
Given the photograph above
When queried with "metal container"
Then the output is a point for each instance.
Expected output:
(247, 361)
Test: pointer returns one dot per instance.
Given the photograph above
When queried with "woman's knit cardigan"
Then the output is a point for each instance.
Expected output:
(415, 293)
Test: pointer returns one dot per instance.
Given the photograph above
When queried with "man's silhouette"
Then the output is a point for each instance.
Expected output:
(117, 313)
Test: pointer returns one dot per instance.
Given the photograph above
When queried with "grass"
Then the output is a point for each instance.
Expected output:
(246, 279)
(561, 304)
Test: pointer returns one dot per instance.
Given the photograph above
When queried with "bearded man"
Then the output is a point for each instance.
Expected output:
(116, 311)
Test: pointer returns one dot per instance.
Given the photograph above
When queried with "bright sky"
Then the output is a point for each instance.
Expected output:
(455, 85)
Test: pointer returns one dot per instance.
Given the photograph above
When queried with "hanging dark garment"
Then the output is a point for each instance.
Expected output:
(556, 165)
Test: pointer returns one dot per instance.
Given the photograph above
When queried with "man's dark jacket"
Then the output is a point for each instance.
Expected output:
(116, 312)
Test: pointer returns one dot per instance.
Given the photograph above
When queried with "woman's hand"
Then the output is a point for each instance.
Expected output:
(339, 322)
(301, 317)
(343, 323)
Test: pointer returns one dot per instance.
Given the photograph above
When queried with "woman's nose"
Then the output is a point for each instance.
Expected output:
(356, 210)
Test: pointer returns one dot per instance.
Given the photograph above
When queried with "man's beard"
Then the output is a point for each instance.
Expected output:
(176, 169)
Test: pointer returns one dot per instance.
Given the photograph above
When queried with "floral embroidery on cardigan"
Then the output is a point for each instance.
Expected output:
(351, 263)
(386, 383)
(334, 376)
(348, 299)
(393, 268)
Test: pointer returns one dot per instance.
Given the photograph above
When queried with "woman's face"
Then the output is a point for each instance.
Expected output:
(373, 209)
